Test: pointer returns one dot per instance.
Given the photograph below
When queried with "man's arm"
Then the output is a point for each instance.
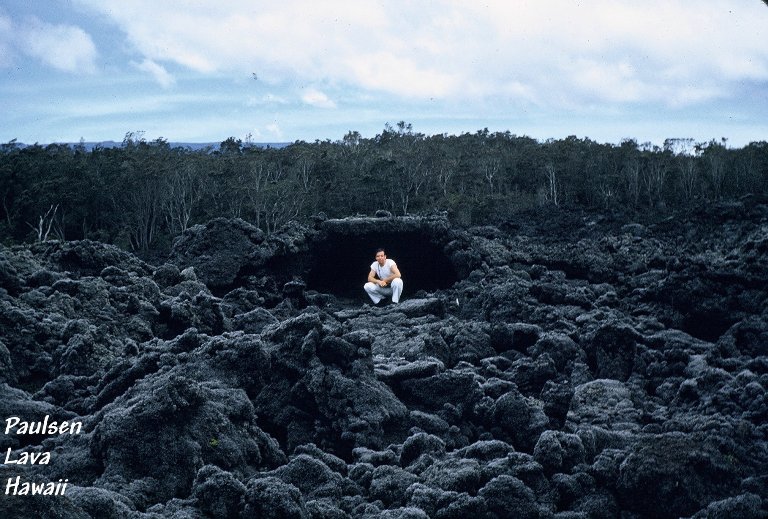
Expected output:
(395, 275)
(372, 277)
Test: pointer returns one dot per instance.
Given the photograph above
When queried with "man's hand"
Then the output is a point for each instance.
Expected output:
(382, 283)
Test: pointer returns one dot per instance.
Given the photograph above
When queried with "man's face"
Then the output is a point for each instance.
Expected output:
(381, 258)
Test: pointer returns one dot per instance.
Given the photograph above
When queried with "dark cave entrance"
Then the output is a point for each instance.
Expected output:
(339, 260)
(708, 325)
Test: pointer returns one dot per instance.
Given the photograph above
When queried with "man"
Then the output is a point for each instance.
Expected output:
(384, 279)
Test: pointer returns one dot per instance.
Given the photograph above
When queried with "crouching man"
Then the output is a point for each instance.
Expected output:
(384, 279)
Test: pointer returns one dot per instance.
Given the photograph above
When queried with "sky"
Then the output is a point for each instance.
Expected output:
(203, 71)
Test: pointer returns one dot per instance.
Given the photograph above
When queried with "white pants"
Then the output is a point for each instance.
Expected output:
(377, 293)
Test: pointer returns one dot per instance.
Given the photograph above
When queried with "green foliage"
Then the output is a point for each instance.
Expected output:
(142, 194)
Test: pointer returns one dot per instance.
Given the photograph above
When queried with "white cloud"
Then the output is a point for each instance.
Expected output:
(266, 99)
(64, 47)
(157, 71)
(131, 103)
(6, 29)
(314, 97)
(549, 53)
(275, 131)
(401, 75)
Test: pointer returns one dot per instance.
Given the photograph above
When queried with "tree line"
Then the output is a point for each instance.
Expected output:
(142, 194)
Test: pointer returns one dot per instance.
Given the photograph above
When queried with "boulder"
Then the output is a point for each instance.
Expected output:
(219, 250)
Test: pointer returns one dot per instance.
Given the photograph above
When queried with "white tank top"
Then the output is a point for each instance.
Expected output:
(385, 271)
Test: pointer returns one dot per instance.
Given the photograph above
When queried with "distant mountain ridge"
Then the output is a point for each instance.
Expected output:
(194, 146)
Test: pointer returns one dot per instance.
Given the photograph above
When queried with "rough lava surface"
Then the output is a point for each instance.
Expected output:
(577, 366)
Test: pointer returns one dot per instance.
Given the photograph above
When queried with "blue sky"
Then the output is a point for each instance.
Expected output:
(201, 71)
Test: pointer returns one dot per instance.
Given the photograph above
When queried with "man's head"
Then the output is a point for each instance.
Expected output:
(381, 256)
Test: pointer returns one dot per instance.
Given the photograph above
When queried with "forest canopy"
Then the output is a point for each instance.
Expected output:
(142, 194)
